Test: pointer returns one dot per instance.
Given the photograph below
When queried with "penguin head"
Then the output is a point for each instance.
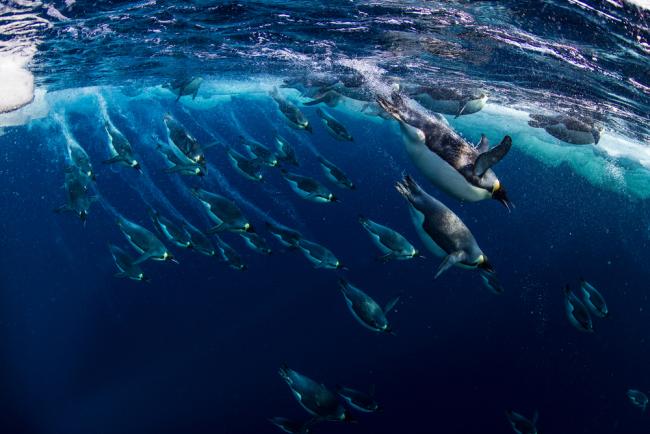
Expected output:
(484, 265)
(199, 159)
(332, 198)
(249, 228)
(136, 165)
(199, 172)
(83, 214)
(499, 193)
(307, 127)
(143, 278)
(167, 256)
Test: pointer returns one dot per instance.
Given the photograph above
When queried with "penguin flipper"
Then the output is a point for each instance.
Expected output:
(483, 145)
(450, 260)
(461, 108)
(493, 156)
(390, 305)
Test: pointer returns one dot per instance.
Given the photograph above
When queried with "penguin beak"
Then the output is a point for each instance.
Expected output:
(308, 128)
(500, 194)
(485, 265)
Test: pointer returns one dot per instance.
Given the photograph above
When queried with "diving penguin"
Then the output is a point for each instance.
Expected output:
(144, 242)
(577, 312)
(184, 141)
(260, 152)
(230, 255)
(78, 199)
(167, 228)
(593, 299)
(442, 231)
(308, 188)
(361, 401)
(446, 159)
(286, 152)
(125, 265)
(198, 241)
(315, 398)
(334, 127)
(120, 148)
(249, 169)
(224, 212)
(366, 310)
(392, 244)
(256, 243)
(334, 174)
(179, 163)
(520, 424)
(293, 114)
(318, 255)
(286, 236)
(638, 398)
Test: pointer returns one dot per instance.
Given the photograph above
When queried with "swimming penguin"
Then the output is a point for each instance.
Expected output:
(177, 235)
(446, 159)
(442, 231)
(256, 243)
(293, 114)
(315, 398)
(391, 244)
(78, 199)
(120, 148)
(257, 150)
(522, 425)
(638, 398)
(224, 212)
(365, 309)
(126, 266)
(286, 152)
(491, 282)
(308, 188)
(184, 87)
(577, 312)
(80, 158)
(230, 255)
(364, 402)
(309, 84)
(184, 141)
(144, 242)
(287, 237)
(198, 241)
(334, 127)
(318, 255)
(335, 174)
(290, 426)
(593, 299)
(179, 163)
(248, 168)
(448, 101)
(574, 129)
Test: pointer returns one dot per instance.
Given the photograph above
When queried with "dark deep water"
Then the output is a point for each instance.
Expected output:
(197, 349)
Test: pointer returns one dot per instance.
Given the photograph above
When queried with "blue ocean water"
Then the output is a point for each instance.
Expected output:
(197, 349)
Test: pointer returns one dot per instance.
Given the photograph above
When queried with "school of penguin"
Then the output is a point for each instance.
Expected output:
(443, 158)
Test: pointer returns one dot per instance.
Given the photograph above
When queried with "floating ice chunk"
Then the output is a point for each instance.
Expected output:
(16, 82)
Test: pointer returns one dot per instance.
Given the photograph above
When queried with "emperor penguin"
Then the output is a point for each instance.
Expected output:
(446, 159)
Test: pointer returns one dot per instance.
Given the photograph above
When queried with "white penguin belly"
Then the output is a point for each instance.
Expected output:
(449, 107)
(443, 175)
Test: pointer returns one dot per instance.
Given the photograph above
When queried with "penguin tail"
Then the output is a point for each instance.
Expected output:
(284, 371)
(406, 187)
